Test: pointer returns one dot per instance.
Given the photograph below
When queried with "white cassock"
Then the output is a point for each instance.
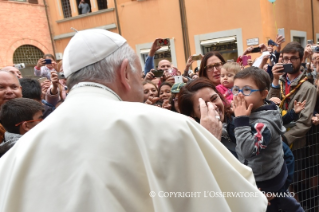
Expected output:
(96, 153)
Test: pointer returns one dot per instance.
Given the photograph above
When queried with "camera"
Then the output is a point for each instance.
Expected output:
(19, 66)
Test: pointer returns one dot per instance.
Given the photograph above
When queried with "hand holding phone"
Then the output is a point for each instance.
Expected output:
(47, 61)
(163, 42)
(158, 73)
(197, 57)
(288, 68)
(256, 50)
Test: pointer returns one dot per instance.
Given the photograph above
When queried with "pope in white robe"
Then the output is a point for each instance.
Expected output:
(99, 153)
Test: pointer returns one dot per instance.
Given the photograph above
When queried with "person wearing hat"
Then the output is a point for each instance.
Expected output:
(174, 97)
(104, 150)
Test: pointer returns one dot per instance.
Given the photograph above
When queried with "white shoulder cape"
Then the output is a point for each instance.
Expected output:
(96, 153)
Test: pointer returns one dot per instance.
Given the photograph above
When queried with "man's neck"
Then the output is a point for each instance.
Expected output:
(293, 76)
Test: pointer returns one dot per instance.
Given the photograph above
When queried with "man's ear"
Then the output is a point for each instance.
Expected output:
(264, 94)
(124, 74)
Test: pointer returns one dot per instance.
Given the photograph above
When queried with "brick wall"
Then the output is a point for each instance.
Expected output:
(22, 23)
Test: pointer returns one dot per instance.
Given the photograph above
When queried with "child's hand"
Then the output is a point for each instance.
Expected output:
(240, 106)
(275, 100)
(315, 119)
(299, 106)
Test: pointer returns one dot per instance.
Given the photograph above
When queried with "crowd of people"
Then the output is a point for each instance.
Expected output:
(260, 112)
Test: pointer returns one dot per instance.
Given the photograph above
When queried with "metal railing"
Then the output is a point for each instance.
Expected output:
(306, 176)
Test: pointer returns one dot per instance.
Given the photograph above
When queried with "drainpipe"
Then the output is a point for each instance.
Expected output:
(183, 15)
(313, 24)
(50, 31)
(117, 17)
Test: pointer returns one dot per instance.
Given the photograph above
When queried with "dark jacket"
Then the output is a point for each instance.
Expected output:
(307, 91)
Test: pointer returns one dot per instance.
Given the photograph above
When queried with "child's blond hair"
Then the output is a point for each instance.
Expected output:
(232, 66)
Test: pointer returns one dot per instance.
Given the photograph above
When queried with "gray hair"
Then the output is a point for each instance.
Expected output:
(103, 71)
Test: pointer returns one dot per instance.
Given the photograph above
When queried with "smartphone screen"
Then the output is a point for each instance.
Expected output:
(281, 32)
(48, 61)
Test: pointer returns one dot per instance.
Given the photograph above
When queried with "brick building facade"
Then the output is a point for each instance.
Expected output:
(24, 33)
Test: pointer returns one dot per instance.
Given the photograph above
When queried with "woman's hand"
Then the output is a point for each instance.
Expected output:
(240, 106)
(210, 118)
(40, 63)
(166, 105)
(152, 100)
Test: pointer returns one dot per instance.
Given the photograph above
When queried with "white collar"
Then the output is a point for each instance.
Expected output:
(96, 85)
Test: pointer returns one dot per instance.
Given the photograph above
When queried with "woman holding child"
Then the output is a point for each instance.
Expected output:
(254, 134)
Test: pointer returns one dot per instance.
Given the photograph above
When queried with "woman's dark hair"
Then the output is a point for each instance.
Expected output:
(294, 47)
(164, 83)
(202, 69)
(49, 55)
(18, 110)
(186, 96)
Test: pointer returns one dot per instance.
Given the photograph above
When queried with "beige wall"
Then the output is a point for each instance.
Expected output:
(143, 21)
(22, 23)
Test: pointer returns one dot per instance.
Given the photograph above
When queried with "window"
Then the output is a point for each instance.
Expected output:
(66, 8)
(85, 2)
(102, 4)
(27, 54)
(226, 46)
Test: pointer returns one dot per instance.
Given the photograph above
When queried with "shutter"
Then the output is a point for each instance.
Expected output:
(33, 1)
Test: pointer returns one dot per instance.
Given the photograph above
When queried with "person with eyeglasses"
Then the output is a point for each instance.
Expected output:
(258, 129)
(18, 116)
(291, 87)
(211, 66)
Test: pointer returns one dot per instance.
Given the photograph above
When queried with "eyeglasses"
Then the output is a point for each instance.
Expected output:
(28, 121)
(211, 67)
(292, 59)
(246, 91)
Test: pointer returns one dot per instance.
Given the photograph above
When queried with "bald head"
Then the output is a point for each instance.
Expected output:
(164, 65)
(13, 70)
(10, 87)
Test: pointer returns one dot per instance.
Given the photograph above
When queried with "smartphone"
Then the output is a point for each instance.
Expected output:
(158, 73)
(163, 42)
(245, 59)
(178, 79)
(47, 61)
(172, 71)
(42, 79)
(197, 57)
(271, 42)
(310, 42)
(256, 50)
(281, 32)
(288, 68)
